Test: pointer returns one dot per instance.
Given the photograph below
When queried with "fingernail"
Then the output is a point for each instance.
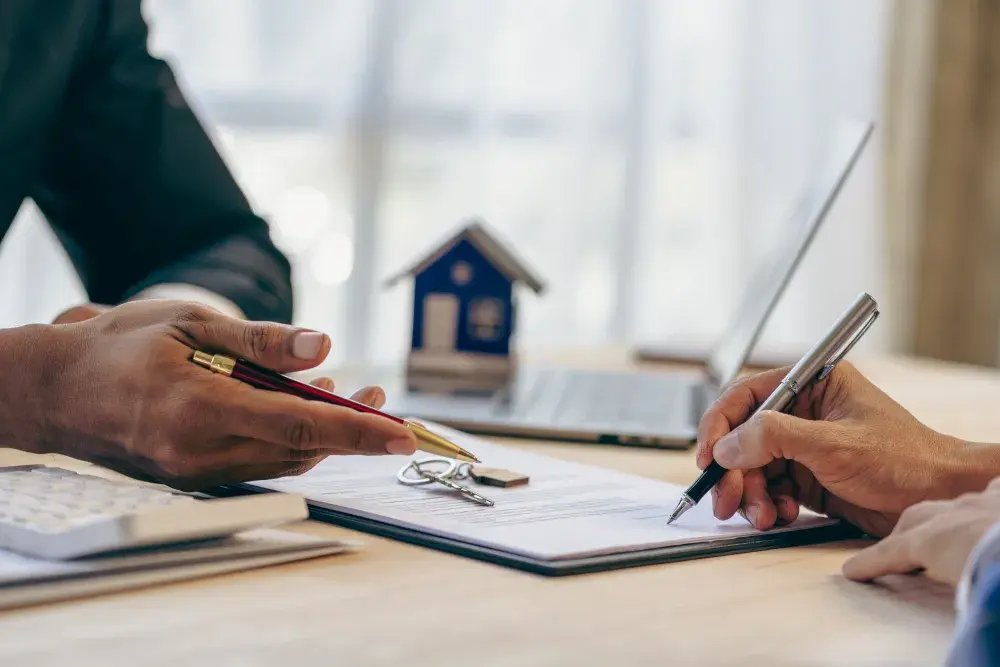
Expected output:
(401, 447)
(307, 344)
(727, 451)
(752, 514)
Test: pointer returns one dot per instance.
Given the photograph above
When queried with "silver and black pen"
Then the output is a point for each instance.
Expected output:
(813, 367)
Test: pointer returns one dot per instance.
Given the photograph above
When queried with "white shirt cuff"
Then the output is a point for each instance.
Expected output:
(986, 553)
(186, 292)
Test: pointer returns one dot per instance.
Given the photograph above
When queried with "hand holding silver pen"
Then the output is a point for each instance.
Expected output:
(844, 449)
(813, 367)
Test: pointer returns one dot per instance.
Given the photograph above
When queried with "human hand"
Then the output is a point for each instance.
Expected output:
(936, 537)
(371, 396)
(120, 390)
(845, 449)
(80, 313)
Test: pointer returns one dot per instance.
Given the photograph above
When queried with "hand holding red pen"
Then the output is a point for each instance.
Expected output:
(119, 389)
(255, 375)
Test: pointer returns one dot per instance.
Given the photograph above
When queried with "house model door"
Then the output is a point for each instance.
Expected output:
(440, 330)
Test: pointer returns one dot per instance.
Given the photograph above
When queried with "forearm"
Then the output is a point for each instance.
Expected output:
(29, 374)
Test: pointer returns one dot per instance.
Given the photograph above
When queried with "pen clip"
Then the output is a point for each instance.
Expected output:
(847, 348)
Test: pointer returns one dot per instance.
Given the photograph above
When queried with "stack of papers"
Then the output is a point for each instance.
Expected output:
(568, 519)
(25, 581)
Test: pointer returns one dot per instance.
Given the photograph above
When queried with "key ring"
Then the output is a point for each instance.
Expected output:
(453, 470)
(447, 477)
(415, 466)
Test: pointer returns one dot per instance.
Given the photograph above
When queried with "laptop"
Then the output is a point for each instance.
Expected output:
(655, 408)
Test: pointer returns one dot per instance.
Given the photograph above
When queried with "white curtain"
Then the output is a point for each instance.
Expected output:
(637, 153)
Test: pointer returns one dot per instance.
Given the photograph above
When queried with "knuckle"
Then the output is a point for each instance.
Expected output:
(766, 378)
(301, 456)
(768, 424)
(356, 439)
(701, 452)
(839, 386)
(189, 320)
(354, 435)
(293, 471)
(730, 390)
(733, 390)
(303, 433)
(260, 339)
(303, 466)
(748, 380)
(191, 313)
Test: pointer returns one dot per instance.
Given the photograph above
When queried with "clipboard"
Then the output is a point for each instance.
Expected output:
(569, 519)
(570, 566)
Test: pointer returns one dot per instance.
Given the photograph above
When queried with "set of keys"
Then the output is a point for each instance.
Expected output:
(449, 473)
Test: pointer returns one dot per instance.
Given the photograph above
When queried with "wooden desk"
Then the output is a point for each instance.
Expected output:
(397, 604)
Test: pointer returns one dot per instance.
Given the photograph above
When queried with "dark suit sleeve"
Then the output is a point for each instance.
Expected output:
(136, 191)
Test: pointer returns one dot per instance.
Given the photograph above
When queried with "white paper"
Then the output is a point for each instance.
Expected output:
(567, 510)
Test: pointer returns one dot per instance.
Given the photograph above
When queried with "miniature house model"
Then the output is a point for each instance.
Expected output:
(463, 305)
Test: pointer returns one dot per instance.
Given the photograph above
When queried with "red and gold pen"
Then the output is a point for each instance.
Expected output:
(262, 378)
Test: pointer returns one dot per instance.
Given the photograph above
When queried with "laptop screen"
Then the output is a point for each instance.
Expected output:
(775, 268)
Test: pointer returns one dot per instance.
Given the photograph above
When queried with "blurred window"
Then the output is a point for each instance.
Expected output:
(637, 154)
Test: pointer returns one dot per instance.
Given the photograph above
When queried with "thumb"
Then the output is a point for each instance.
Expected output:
(766, 436)
(280, 347)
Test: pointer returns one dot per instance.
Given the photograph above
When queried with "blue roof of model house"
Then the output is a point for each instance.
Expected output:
(487, 245)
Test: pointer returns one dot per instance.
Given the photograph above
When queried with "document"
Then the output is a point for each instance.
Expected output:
(567, 511)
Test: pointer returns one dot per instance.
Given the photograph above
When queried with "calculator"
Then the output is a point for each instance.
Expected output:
(58, 514)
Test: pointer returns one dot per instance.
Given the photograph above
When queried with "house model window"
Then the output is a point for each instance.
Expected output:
(461, 273)
(486, 319)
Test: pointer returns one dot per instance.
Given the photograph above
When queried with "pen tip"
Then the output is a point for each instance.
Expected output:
(437, 444)
(683, 506)
(465, 455)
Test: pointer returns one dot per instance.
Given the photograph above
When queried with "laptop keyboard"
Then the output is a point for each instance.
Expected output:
(575, 401)
(578, 398)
